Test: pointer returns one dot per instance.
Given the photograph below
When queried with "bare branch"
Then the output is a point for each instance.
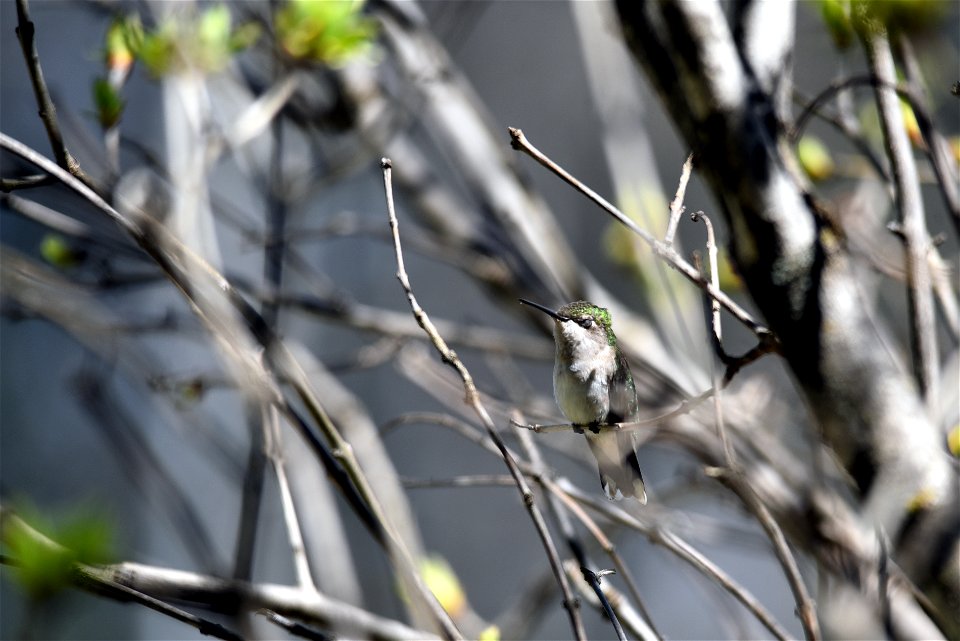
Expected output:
(944, 164)
(676, 205)
(473, 400)
(937, 148)
(13, 528)
(684, 407)
(661, 249)
(26, 182)
(26, 32)
(798, 274)
(274, 451)
(736, 478)
(645, 629)
(686, 552)
(591, 578)
(203, 286)
(293, 627)
(926, 358)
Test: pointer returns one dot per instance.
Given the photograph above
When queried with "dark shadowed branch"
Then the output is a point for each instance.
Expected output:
(799, 275)
(26, 34)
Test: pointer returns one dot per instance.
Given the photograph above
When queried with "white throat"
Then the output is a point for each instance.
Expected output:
(584, 365)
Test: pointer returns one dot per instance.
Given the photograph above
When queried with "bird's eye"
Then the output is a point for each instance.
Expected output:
(586, 323)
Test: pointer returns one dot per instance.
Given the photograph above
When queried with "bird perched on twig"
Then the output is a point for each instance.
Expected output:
(594, 387)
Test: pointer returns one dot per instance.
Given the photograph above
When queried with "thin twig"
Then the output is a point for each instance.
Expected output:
(182, 267)
(295, 627)
(766, 345)
(685, 406)
(252, 490)
(846, 125)
(607, 545)
(936, 147)
(473, 400)
(26, 32)
(569, 534)
(661, 249)
(676, 205)
(944, 165)
(883, 585)
(926, 363)
(716, 338)
(24, 182)
(737, 478)
(593, 580)
(265, 420)
(466, 480)
(684, 551)
(733, 363)
(841, 84)
(273, 447)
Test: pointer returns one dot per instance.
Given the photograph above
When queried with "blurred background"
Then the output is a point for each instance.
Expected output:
(123, 426)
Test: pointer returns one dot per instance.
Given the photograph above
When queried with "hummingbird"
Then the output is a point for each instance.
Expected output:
(593, 386)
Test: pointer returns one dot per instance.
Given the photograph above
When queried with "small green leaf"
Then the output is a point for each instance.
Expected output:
(836, 17)
(118, 53)
(158, 49)
(203, 42)
(443, 582)
(131, 30)
(331, 31)
(42, 571)
(213, 37)
(815, 158)
(213, 27)
(244, 36)
(953, 441)
(108, 102)
(44, 566)
(57, 251)
(490, 633)
(910, 123)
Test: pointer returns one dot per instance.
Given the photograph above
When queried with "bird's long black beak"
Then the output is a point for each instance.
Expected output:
(545, 310)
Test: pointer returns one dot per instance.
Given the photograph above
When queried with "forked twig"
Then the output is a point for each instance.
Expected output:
(660, 248)
(682, 550)
(576, 547)
(473, 400)
(734, 477)
(647, 629)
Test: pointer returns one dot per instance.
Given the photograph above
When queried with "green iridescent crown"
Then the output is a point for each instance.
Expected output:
(582, 309)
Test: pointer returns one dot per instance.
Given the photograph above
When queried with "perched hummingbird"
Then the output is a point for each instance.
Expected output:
(593, 386)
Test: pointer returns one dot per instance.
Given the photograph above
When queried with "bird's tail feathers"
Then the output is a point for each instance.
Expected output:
(619, 468)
